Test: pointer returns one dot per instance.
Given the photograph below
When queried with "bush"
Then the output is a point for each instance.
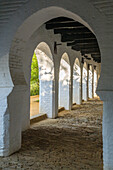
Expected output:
(34, 89)
(34, 82)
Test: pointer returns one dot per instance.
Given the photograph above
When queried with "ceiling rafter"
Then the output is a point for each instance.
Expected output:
(76, 35)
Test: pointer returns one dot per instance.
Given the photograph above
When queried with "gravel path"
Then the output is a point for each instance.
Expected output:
(73, 141)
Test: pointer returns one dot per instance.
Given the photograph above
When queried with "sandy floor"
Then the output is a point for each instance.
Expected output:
(34, 105)
(73, 141)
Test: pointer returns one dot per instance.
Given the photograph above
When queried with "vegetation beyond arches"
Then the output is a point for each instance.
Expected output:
(34, 81)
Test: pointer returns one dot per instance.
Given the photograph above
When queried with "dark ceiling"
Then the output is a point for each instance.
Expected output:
(76, 35)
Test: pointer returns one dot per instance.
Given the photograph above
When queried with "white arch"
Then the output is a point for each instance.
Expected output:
(31, 25)
(76, 82)
(22, 93)
(64, 81)
(46, 77)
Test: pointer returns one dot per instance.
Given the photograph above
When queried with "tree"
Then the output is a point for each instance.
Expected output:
(34, 82)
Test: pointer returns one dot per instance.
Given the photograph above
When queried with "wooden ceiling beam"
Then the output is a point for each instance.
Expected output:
(64, 25)
(87, 50)
(60, 19)
(86, 46)
(72, 30)
(74, 37)
(84, 41)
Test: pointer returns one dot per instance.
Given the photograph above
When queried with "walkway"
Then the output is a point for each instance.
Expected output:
(34, 105)
(70, 142)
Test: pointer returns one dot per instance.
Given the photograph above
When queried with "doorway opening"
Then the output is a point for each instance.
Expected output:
(41, 83)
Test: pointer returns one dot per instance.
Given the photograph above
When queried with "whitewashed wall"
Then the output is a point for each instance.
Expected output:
(76, 83)
(46, 78)
(95, 83)
(64, 83)
(84, 84)
(18, 39)
(90, 83)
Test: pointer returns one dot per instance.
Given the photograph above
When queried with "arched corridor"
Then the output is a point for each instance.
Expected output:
(73, 44)
(61, 77)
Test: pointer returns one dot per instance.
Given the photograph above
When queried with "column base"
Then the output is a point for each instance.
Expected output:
(7, 152)
(106, 167)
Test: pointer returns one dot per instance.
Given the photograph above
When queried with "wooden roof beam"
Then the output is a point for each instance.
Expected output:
(84, 41)
(72, 37)
(72, 30)
(86, 46)
(59, 19)
(71, 24)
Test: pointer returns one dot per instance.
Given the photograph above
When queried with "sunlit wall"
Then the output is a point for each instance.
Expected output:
(46, 77)
(84, 83)
(90, 81)
(64, 81)
(76, 82)
(95, 83)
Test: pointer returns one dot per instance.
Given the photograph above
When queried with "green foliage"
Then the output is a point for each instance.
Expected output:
(34, 89)
(34, 82)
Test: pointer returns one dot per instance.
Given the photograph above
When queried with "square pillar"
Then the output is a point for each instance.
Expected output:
(87, 81)
(92, 81)
(107, 128)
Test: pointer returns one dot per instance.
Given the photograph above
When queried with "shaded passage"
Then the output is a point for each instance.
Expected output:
(72, 141)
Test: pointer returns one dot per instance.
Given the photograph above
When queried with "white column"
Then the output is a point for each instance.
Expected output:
(55, 91)
(105, 92)
(90, 84)
(81, 92)
(95, 81)
(71, 89)
(107, 97)
(11, 120)
(84, 84)
(87, 81)
(4, 122)
(77, 84)
(64, 94)
(64, 85)
(46, 77)
(92, 81)
(10, 111)
(45, 97)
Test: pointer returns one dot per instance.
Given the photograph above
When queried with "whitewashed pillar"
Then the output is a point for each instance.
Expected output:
(107, 128)
(92, 81)
(81, 92)
(64, 85)
(71, 88)
(87, 81)
(105, 92)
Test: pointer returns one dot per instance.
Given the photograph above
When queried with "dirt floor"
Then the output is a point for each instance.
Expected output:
(34, 105)
(73, 141)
